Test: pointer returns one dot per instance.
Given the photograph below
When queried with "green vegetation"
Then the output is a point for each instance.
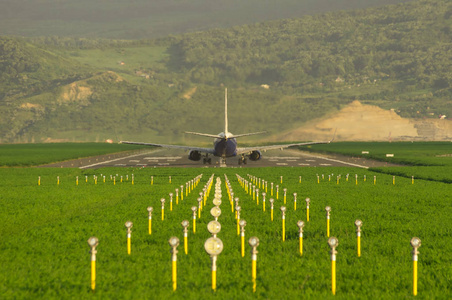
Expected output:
(38, 154)
(44, 252)
(433, 160)
(78, 89)
(150, 19)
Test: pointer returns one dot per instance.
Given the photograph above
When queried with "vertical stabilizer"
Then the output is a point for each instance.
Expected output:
(226, 111)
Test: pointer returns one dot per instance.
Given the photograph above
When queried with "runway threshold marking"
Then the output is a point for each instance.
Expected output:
(109, 161)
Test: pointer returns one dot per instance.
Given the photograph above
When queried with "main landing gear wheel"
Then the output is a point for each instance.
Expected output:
(242, 160)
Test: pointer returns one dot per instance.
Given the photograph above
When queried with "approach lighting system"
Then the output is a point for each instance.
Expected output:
(213, 247)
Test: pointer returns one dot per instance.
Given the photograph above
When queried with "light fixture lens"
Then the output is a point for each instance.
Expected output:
(194, 208)
(415, 242)
(283, 208)
(215, 211)
(242, 223)
(253, 241)
(217, 201)
(358, 223)
(333, 242)
(185, 223)
(300, 224)
(214, 227)
(150, 209)
(213, 246)
(93, 241)
(328, 209)
(173, 241)
(129, 224)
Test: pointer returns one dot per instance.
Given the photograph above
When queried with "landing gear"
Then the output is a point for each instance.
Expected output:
(207, 160)
(242, 160)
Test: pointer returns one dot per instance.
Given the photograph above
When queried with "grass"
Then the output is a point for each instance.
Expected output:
(44, 253)
(37, 154)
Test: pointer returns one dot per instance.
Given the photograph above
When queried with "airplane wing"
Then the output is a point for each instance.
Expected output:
(245, 150)
(205, 150)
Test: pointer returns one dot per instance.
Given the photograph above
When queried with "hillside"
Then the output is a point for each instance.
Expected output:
(280, 74)
(138, 19)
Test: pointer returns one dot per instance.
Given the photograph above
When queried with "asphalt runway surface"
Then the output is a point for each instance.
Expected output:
(161, 157)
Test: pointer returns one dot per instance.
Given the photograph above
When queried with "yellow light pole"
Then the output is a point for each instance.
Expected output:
(181, 192)
(177, 196)
(281, 179)
(257, 196)
(86, 178)
(169, 179)
(358, 224)
(150, 209)
(185, 225)
(93, 242)
(412, 179)
(356, 179)
(152, 180)
(266, 186)
(318, 179)
(415, 243)
(174, 242)
(213, 247)
(76, 180)
(364, 178)
(58, 180)
(199, 207)
(299, 179)
(163, 208)
(263, 201)
(294, 201)
(375, 180)
(283, 211)
(393, 180)
(238, 209)
(271, 208)
(121, 178)
(271, 189)
(39, 180)
(254, 242)
(171, 201)
(129, 226)
(328, 210)
(194, 209)
(254, 192)
(285, 194)
(277, 192)
(133, 179)
(236, 205)
(333, 243)
(300, 225)
(242, 224)
(307, 209)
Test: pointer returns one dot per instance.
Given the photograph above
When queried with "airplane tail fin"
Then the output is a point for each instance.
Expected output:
(226, 111)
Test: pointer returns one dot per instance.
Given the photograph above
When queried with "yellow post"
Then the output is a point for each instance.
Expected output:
(412, 179)
(294, 201)
(171, 201)
(415, 243)
(263, 201)
(328, 210)
(163, 208)
(150, 209)
(152, 180)
(58, 180)
(271, 208)
(129, 236)
(194, 209)
(375, 180)
(283, 210)
(39, 180)
(93, 242)
(185, 224)
(300, 225)
(299, 179)
(133, 177)
(254, 242)
(358, 224)
(76, 180)
(333, 243)
(307, 209)
(174, 242)
(393, 180)
(281, 179)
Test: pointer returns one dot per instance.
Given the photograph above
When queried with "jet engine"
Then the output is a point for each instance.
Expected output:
(255, 155)
(194, 155)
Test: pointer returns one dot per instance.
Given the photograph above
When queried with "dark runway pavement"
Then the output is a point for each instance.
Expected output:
(162, 157)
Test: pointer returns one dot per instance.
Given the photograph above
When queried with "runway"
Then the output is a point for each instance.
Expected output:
(159, 158)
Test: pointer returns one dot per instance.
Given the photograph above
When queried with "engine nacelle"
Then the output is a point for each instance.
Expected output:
(255, 155)
(194, 155)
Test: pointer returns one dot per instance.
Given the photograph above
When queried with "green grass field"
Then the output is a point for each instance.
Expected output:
(45, 255)
(45, 252)
(38, 154)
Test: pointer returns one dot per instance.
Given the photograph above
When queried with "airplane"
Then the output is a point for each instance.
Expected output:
(225, 145)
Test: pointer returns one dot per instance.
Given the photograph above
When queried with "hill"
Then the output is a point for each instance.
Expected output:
(138, 19)
(280, 73)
